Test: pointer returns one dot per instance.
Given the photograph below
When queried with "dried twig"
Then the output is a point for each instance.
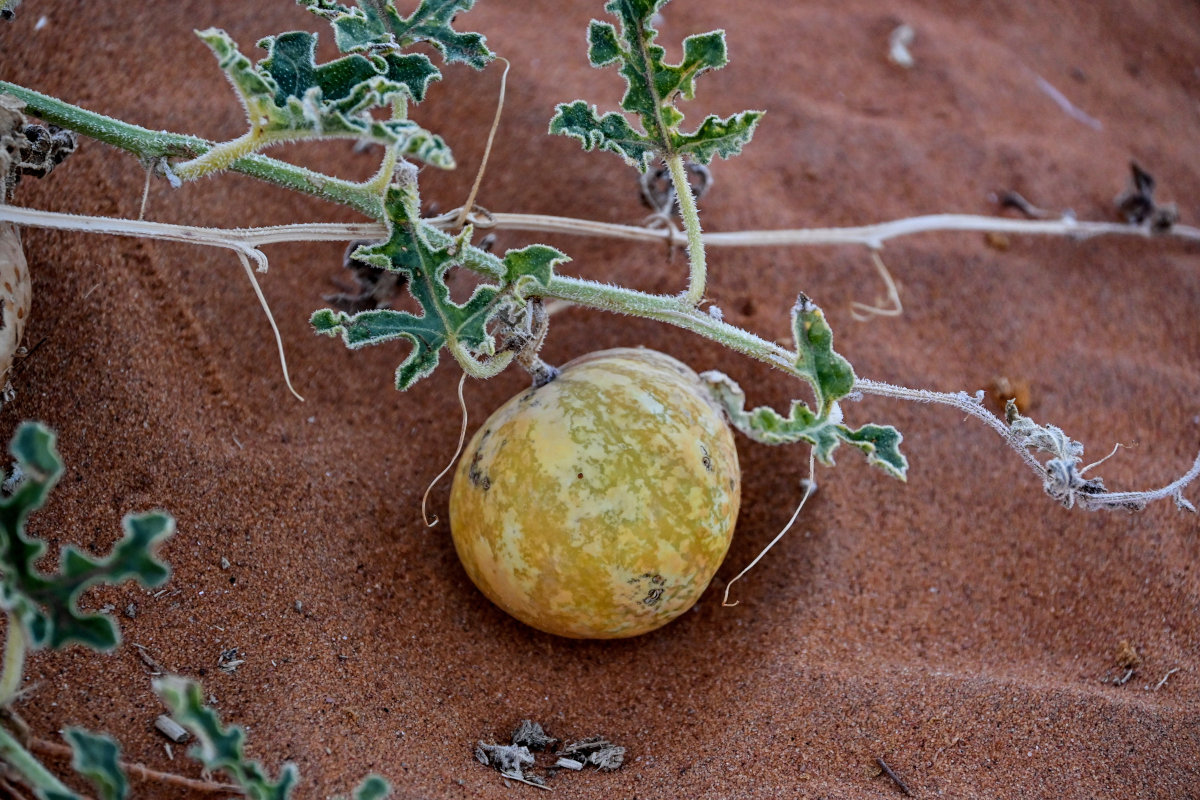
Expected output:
(895, 778)
(248, 240)
(1163, 682)
(46, 748)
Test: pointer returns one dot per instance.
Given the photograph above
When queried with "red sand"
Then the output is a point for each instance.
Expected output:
(960, 627)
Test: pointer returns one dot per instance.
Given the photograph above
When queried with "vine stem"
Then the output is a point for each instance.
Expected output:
(143, 772)
(16, 642)
(21, 760)
(156, 147)
(873, 236)
(673, 310)
(220, 156)
(698, 270)
(974, 406)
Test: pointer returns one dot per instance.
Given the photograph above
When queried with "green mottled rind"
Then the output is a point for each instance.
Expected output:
(601, 504)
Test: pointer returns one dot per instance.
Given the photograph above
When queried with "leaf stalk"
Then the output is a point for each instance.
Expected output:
(16, 644)
(152, 147)
(691, 224)
(18, 758)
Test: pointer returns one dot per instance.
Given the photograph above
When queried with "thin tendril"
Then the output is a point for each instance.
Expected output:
(810, 486)
(462, 437)
(863, 312)
(271, 319)
(1116, 447)
(146, 191)
(487, 150)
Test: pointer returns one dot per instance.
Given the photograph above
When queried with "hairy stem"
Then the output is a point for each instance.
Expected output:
(155, 146)
(16, 642)
(219, 157)
(974, 406)
(29, 768)
(673, 311)
(691, 226)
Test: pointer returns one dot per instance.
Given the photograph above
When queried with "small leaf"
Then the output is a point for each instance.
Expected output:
(880, 443)
(219, 747)
(603, 46)
(653, 87)
(718, 137)
(373, 787)
(97, 758)
(531, 268)
(46, 604)
(378, 27)
(609, 132)
(830, 375)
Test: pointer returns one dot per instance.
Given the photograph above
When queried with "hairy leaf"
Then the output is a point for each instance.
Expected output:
(423, 255)
(880, 443)
(97, 757)
(219, 747)
(374, 27)
(829, 374)
(530, 268)
(652, 89)
(288, 95)
(44, 604)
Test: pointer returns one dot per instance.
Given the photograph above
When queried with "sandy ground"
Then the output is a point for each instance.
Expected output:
(962, 627)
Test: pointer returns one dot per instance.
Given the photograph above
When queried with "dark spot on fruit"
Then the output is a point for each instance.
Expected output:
(477, 475)
(658, 585)
(580, 476)
(707, 460)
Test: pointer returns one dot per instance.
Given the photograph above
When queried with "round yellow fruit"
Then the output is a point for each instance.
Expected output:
(601, 504)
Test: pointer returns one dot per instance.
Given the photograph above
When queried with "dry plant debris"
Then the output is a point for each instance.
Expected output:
(1127, 662)
(1137, 204)
(1002, 389)
(518, 759)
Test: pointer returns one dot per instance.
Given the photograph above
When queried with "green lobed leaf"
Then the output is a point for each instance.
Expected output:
(45, 605)
(718, 137)
(218, 747)
(424, 255)
(97, 758)
(375, 27)
(530, 268)
(829, 374)
(610, 132)
(652, 88)
(880, 443)
(288, 95)
(373, 787)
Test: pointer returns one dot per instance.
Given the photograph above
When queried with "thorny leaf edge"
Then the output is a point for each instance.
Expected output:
(831, 378)
(652, 89)
(45, 604)
(423, 255)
